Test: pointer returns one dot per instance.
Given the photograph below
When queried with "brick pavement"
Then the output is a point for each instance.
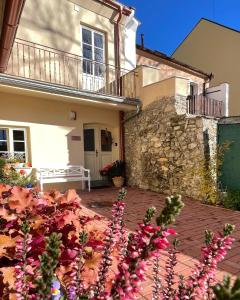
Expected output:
(190, 226)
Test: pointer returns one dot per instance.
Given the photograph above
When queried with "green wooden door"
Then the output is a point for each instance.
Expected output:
(230, 170)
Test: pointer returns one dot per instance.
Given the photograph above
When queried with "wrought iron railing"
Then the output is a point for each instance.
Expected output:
(38, 62)
(13, 156)
(202, 105)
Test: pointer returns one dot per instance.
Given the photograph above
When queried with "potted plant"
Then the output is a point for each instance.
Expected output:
(117, 172)
(105, 170)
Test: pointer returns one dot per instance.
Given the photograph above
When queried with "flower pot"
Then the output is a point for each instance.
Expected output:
(118, 181)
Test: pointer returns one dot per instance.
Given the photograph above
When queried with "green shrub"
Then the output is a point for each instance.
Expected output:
(2, 165)
(117, 169)
(232, 199)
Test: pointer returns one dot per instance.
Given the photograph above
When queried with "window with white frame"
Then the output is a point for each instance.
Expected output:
(93, 49)
(13, 143)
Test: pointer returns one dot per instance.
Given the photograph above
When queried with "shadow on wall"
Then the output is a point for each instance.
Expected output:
(75, 146)
(60, 25)
(55, 24)
(43, 17)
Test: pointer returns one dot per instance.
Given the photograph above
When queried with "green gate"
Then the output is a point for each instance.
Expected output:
(229, 131)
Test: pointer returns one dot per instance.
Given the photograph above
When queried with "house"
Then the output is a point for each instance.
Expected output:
(74, 90)
(214, 47)
(170, 141)
(195, 83)
(63, 81)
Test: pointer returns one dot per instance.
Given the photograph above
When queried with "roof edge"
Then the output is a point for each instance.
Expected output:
(175, 61)
(64, 91)
(186, 37)
(126, 10)
(195, 26)
(11, 19)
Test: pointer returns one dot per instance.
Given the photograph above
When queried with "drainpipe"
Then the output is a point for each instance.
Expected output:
(11, 19)
(118, 52)
(122, 121)
(210, 77)
(121, 135)
(121, 10)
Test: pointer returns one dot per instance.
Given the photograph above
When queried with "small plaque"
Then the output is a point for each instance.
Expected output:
(76, 138)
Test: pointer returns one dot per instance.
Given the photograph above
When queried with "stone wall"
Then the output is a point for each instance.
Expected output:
(164, 148)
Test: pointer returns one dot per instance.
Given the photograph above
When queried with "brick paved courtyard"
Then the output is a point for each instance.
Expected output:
(190, 226)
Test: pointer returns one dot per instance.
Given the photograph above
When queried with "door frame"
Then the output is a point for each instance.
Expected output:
(98, 180)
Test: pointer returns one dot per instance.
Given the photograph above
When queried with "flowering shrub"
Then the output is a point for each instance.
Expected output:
(105, 170)
(9, 175)
(50, 249)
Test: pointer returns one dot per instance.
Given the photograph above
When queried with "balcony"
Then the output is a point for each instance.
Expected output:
(204, 106)
(37, 62)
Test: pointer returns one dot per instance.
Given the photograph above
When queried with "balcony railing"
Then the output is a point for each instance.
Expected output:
(202, 105)
(38, 62)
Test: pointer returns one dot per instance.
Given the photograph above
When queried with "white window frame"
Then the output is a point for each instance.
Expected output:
(10, 141)
(93, 47)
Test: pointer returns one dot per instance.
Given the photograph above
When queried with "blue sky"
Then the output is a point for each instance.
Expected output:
(165, 23)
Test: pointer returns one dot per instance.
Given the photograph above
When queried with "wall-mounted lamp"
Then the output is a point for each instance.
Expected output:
(73, 115)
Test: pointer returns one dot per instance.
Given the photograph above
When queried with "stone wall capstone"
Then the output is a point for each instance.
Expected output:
(164, 148)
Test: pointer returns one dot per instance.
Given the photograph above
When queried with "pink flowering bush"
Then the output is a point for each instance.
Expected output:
(50, 249)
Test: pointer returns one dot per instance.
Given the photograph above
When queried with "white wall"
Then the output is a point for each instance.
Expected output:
(221, 93)
(130, 42)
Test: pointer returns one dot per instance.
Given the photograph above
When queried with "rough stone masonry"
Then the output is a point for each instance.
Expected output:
(164, 147)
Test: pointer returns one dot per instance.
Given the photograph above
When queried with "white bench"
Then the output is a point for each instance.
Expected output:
(63, 174)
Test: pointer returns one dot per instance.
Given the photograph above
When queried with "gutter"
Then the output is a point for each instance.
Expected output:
(115, 5)
(138, 111)
(175, 61)
(14, 81)
(11, 19)
(122, 121)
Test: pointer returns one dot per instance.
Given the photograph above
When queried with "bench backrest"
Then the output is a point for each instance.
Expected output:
(61, 171)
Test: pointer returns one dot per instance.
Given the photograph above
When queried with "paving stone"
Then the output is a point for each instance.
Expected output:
(190, 226)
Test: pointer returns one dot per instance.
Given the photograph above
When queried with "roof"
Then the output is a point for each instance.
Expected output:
(175, 61)
(197, 24)
(12, 13)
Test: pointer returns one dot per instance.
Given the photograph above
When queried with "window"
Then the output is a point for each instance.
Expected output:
(93, 52)
(193, 89)
(13, 143)
(3, 140)
(106, 141)
(89, 140)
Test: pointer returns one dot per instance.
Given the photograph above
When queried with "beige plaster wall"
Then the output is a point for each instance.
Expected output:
(50, 128)
(162, 69)
(215, 49)
(56, 24)
(169, 87)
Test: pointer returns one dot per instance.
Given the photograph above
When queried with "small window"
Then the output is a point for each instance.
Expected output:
(13, 144)
(87, 36)
(106, 141)
(89, 140)
(98, 40)
(3, 141)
